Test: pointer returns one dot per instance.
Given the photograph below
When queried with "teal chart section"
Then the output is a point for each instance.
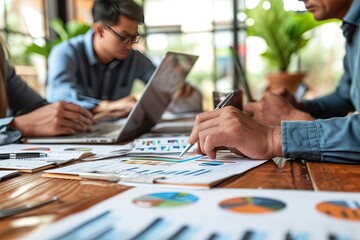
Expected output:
(165, 199)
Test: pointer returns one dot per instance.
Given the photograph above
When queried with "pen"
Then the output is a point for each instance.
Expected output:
(22, 155)
(220, 105)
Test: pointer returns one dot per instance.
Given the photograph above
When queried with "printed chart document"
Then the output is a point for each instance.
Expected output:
(162, 144)
(167, 213)
(198, 172)
(56, 154)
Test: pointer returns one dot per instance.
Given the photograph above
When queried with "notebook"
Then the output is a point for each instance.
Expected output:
(166, 80)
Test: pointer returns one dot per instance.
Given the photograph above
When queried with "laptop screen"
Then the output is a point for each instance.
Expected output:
(166, 80)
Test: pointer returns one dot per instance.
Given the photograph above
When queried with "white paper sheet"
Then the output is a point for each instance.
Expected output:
(152, 213)
(191, 173)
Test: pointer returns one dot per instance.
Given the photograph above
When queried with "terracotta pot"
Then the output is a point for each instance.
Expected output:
(280, 80)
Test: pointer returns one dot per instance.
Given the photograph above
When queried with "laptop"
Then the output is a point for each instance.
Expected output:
(168, 77)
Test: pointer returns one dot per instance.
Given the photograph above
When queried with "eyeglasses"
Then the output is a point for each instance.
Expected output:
(126, 40)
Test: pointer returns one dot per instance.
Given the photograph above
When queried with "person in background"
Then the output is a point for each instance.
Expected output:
(275, 107)
(333, 137)
(23, 109)
(97, 70)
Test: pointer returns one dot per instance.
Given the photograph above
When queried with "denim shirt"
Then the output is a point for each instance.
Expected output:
(76, 75)
(334, 136)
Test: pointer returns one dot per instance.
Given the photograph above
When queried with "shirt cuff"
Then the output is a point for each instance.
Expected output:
(300, 140)
(4, 122)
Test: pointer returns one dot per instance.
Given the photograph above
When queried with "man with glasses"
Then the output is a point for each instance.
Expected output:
(97, 70)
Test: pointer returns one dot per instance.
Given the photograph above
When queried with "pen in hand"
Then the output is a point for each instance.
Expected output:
(21, 155)
(220, 105)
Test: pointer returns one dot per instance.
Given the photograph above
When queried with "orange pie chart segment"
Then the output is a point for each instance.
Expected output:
(255, 205)
(346, 210)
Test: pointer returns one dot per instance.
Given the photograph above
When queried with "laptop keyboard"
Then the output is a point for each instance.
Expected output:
(102, 130)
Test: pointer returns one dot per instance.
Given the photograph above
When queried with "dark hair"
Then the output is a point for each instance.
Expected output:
(109, 11)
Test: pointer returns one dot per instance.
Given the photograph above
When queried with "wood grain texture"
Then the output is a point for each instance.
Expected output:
(334, 177)
(269, 176)
(30, 188)
(78, 195)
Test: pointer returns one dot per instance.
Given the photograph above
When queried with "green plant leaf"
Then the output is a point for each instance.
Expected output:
(64, 31)
(283, 31)
(58, 26)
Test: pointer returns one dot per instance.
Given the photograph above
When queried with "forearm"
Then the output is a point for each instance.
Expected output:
(330, 140)
(328, 106)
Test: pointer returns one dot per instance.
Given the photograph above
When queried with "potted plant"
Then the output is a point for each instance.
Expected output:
(64, 31)
(284, 33)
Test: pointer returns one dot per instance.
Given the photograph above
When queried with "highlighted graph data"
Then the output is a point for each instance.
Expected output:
(256, 205)
(165, 199)
(346, 210)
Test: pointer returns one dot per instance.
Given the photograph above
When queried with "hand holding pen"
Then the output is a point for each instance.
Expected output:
(220, 105)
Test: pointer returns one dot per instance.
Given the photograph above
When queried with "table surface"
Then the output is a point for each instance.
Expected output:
(78, 195)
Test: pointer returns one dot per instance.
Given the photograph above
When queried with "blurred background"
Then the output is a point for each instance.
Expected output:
(203, 27)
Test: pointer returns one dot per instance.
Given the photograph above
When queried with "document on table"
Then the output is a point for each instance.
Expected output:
(58, 154)
(200, 172)
(159, 145)
(167, 213)
(26, 164)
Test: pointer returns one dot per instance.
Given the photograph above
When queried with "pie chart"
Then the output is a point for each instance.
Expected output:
(254, 205)
(346, 210)
(165, 200)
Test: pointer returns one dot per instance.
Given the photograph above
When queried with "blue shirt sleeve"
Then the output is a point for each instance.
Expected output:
(326, 140)
(335, 104)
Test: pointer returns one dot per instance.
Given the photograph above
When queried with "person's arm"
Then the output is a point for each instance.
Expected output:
(33, 116)
(273, 108)
(339, 103)
(21, 98)
(58, 118)
(327, 140)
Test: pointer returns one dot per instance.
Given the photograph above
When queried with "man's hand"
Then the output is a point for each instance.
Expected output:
(231, 128)
(59, 118)
(114, 109)
(185, 91)
(272, 109)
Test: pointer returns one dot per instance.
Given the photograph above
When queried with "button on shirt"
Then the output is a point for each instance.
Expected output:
(74, 72)
(334, 137)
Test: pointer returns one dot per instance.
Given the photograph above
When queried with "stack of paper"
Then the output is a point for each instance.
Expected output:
(55, 154)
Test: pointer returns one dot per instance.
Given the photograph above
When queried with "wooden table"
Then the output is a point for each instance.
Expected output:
(78, 195)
